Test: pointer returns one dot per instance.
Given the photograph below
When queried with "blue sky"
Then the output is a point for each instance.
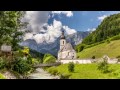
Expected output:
(47, 25)
(82, 20)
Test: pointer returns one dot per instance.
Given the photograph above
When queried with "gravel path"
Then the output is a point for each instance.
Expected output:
(41, 74)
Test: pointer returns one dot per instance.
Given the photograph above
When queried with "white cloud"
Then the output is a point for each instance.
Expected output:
(67, 13)
(102, 17)
(28, 36)
(91, 29)
(41, 29)
(36, 19)
(69, 30)
(53, 32)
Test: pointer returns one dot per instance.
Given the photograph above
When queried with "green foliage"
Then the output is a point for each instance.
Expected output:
(87, 71)
(48, 58)
(10, 25)
(25, 50)
(35, 61)
(117, 37)
(93, 57)
(71, 67)
(80, 47)
(29, 59)
(2, 63)
(2, 76)
(36, 54)
(118, 56)
(53, 71)
(103, 66)
(21, 66)
(111, 49)
(108, 28)
(65, 76)
(117, 73)
(108, 41)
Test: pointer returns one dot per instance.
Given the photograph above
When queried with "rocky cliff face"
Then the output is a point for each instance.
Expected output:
(53, 47)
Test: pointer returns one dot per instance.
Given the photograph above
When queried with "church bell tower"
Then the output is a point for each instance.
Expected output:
(62, 40)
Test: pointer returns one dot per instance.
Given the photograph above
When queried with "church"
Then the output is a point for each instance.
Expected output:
(66, 50)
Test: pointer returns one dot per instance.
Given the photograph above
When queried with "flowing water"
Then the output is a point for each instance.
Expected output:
(41, 74)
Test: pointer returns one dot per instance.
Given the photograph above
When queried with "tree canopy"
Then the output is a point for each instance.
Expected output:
(109, 27)
(10, 27)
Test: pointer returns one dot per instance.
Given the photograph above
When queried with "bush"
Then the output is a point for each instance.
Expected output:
(48, 58)
(21, 66)
(35, 61)
(65, 76)
(53, 71)
(118, 56)
(71, 67)
(93, 57)
(108, 41)
(2, 63)
(117, 37)
(80, 47)
(29, 59)
(103, 66)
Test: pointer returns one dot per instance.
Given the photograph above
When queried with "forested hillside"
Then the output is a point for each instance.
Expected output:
(109, 27)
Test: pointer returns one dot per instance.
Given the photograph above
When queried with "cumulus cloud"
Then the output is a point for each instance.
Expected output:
(67, 13)
(41, 31)
(69, 30)
(36, 19)
(102, 17)
(53, 31)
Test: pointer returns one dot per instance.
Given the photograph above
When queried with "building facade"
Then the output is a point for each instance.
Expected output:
(66, 50)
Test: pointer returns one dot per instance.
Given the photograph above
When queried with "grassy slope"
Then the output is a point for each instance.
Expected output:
(87, 71)
(2, 76)
(111, 49)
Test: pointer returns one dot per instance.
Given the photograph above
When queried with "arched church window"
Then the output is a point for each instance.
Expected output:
(68, 53)
(63, 42)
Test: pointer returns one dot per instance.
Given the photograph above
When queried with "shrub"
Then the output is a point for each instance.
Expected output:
(48, 58)
(108, 41)
(54, 72)
(118, 56)
(29, 59)
(71, 67)
(2, 63)
(117, 37)
(35, 61)
(80, 47)
(65, 76)
(103, 66)
(21, 66)
(26, 50)
(93, 57)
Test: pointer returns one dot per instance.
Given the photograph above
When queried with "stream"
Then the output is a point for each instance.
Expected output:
(41, 74)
